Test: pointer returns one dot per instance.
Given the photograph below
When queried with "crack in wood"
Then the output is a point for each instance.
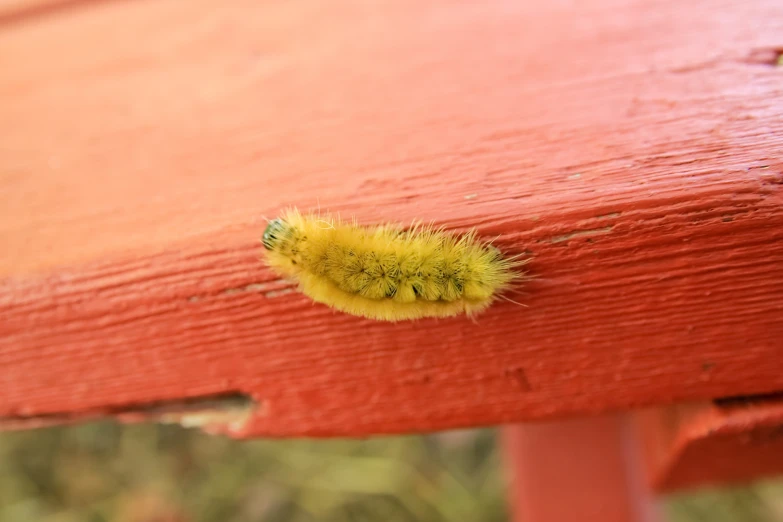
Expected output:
(270, 290)
(771, 56)
(581, 233)
(747, 400)
(231, 409)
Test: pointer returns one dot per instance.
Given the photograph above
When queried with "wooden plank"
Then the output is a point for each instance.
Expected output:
(725, 442)
(14, 12)
(579, 469)
(633, 149)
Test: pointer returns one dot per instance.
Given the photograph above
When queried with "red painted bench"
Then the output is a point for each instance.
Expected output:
(633, 150)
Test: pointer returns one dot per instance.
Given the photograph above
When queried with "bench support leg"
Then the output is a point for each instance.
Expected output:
(585, 469)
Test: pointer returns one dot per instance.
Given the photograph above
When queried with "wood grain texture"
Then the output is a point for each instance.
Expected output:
(708, 444)
(632, 148)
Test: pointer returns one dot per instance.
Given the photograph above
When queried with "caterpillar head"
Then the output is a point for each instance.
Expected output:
(275, 234)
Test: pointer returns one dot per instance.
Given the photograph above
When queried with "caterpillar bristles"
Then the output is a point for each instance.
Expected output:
(386, 272)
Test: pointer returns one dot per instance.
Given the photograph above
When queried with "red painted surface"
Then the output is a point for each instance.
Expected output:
(581, 469)
(633, 149)
(710, 444)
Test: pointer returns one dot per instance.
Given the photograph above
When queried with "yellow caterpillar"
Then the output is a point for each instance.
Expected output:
(386, 272)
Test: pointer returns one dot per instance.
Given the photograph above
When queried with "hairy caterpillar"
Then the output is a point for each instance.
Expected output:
(386, 272)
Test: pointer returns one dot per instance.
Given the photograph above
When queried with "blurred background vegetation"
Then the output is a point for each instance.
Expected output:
(159, 473)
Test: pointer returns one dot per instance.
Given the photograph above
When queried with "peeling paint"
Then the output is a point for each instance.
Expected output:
(581, 233)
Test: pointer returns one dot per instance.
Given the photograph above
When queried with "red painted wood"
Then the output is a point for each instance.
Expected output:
(713, 444)
(581, 469)
(633, 148)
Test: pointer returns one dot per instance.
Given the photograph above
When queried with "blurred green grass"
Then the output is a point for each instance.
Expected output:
(161, 473)
(156, 473)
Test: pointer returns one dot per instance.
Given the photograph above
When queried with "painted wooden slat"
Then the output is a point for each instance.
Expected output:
(714, 443)
(632, 149)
